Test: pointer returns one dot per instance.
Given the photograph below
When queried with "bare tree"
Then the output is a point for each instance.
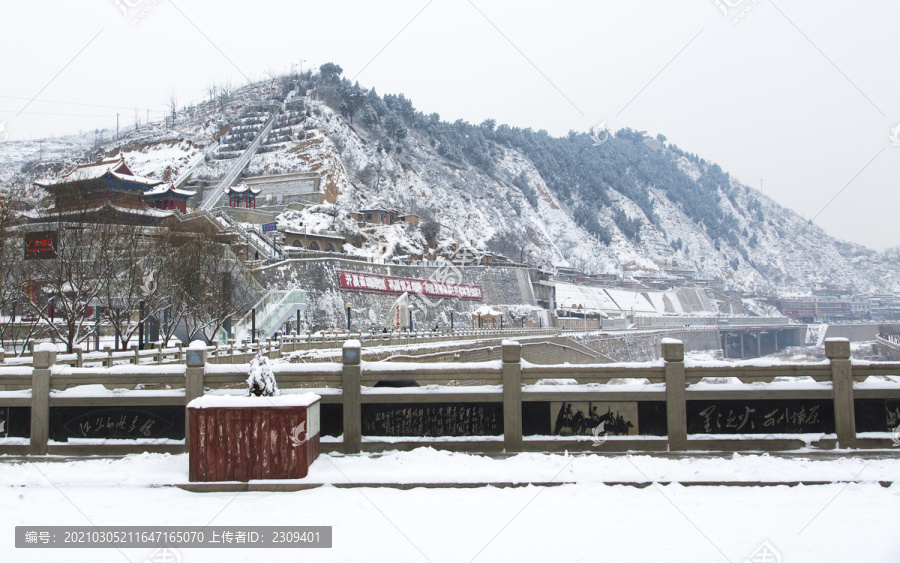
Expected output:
(202, 283)
(173, 104)
(225, 93)
(86, 253)
(133, 295)
(10, 259)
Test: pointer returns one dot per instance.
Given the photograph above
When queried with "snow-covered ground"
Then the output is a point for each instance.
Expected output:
(584, 520)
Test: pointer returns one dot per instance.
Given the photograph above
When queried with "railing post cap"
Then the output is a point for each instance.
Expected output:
(44, 355)
(837, 348)
(511, 351)
(196, 354)
(672, 350)
(350, 351)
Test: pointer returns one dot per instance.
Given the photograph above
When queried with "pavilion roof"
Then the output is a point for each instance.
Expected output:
(243, 189)
(114, 166)
(164, 189)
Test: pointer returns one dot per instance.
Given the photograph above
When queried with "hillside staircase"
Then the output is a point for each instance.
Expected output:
(234, 171)
(256, 240)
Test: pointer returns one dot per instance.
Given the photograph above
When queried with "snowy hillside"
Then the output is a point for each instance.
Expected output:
(629, 205)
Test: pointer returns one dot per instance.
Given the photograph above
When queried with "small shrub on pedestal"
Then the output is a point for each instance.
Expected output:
(261, 379)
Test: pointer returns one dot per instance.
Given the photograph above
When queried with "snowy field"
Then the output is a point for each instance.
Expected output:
(584, 520)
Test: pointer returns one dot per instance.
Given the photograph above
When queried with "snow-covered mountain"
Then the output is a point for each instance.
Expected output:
(619, 203)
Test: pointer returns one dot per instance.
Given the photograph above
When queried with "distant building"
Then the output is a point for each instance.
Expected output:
(597, 279)
(378, 216)
(683, 273)
(410, 218)
(812, 309)
(324, 242)
(302, 188)
(243, 196)
(167, 197)
(107, 190)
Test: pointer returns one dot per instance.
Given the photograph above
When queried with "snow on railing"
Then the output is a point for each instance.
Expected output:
(511, 381)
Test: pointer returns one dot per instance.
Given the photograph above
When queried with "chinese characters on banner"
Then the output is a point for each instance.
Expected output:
(357, 281)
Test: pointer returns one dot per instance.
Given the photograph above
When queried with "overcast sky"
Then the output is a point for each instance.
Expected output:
(800, 94)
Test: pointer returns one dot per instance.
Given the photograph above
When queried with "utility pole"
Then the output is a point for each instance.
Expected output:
(96, 329)
(141, 326)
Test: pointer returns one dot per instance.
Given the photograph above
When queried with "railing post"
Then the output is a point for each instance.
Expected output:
(274, 350)
(79, 357)
(351, 397)
(179, 356)
(193, 380)
(2, 355)
(137, 354)
(676, 407)
(108, 362)
(837, 350)
(512, 395)
(44, 357)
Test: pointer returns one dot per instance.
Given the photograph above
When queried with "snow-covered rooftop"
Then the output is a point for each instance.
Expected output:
(163, 189)
(115, 167)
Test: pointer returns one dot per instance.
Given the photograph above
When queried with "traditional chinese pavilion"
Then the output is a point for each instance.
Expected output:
(109, 189)
(167, 197)
(243, 195)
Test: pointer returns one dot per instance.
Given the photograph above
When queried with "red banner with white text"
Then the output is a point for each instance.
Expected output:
(356, 281)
